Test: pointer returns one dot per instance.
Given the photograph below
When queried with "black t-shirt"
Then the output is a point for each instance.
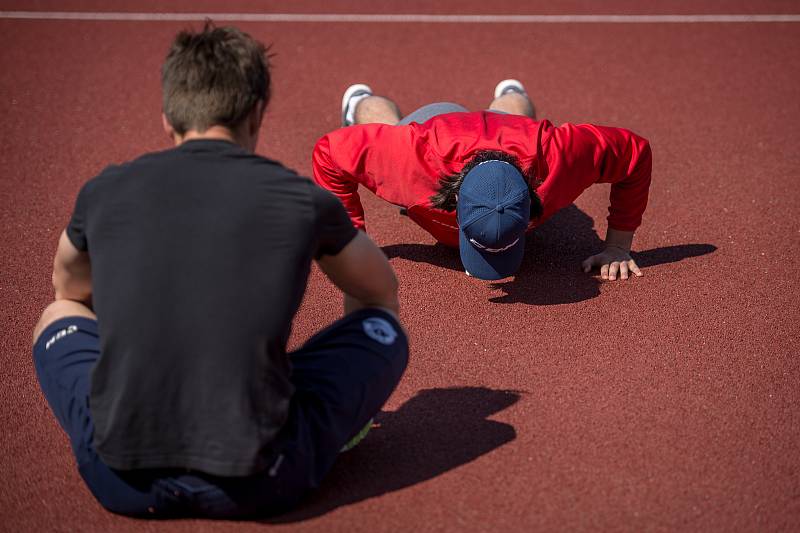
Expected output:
(200, 256)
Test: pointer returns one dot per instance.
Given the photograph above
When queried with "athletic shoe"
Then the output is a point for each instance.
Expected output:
(358, 438)
(352, 96)
(507, 86)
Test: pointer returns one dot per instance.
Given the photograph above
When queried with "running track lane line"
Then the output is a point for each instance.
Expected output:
(450, 19)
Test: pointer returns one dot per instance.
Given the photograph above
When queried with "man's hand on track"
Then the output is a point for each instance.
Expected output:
(613, 261)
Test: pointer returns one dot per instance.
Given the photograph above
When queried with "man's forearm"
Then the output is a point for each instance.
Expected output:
(363, 274)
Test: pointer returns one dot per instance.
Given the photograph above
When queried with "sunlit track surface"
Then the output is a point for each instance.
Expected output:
(548, 402)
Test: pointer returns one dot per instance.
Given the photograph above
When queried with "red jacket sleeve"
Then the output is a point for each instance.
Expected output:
(344, 185)
(627, 164)
(581, 155)
(382, 158)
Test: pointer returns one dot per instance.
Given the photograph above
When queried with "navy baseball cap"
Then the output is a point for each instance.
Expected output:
(494, 206)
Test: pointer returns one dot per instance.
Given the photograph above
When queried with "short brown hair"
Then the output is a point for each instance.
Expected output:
(214, 77)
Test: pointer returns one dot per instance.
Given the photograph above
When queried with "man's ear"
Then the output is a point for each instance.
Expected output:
(256, 117)
(168, 129)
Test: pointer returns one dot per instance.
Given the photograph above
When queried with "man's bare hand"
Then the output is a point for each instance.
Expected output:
(613, 261)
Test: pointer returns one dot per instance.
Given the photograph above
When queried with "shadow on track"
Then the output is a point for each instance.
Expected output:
(433, 432)
(551, 270)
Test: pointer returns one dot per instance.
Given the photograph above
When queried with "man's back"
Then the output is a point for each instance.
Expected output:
(200, 256)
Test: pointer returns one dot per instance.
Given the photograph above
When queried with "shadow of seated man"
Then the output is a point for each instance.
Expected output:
(432, 433)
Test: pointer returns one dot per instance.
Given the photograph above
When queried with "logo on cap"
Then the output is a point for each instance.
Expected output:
(476, 244)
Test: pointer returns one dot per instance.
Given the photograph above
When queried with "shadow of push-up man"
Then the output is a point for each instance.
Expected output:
(550, 272)
(433, 432)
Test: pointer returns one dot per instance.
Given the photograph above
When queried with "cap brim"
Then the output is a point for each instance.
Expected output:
(490, 266)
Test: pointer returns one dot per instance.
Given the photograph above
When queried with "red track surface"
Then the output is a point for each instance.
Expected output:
(550, 402)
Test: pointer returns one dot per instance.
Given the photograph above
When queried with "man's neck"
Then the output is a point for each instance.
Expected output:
(217, 133)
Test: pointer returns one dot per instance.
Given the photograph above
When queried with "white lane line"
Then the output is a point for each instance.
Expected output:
(450, 19)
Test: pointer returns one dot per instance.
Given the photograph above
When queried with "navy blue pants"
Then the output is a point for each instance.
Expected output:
(343, 375)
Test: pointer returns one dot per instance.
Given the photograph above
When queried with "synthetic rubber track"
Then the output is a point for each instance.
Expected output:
(550, 402)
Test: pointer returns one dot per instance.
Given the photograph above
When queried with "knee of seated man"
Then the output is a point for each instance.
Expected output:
(390, 343)
(56, 311)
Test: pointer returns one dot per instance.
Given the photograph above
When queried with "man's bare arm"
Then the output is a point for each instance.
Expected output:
(362, 272)
(72, 273)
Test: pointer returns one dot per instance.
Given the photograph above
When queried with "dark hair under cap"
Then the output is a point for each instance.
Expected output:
(445, 199)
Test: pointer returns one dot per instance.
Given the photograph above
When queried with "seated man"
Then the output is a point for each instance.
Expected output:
(478, 181)
(176, 281)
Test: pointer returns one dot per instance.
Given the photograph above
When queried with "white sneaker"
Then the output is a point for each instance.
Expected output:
(507, 86)
(352, 96)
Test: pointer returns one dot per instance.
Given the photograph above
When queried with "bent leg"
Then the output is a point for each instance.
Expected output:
(343, 376)
(64, 354)
(60, 309)
(377, 110)
(65, 351)
(514, 103)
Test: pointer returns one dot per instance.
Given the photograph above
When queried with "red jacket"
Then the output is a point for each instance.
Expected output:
(403, 164)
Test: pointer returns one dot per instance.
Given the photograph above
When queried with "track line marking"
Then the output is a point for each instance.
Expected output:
(345, 17)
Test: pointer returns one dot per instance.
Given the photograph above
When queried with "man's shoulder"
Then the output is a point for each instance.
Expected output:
(108, 174)
(274, 166)
(140, 175)
(117, 170)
